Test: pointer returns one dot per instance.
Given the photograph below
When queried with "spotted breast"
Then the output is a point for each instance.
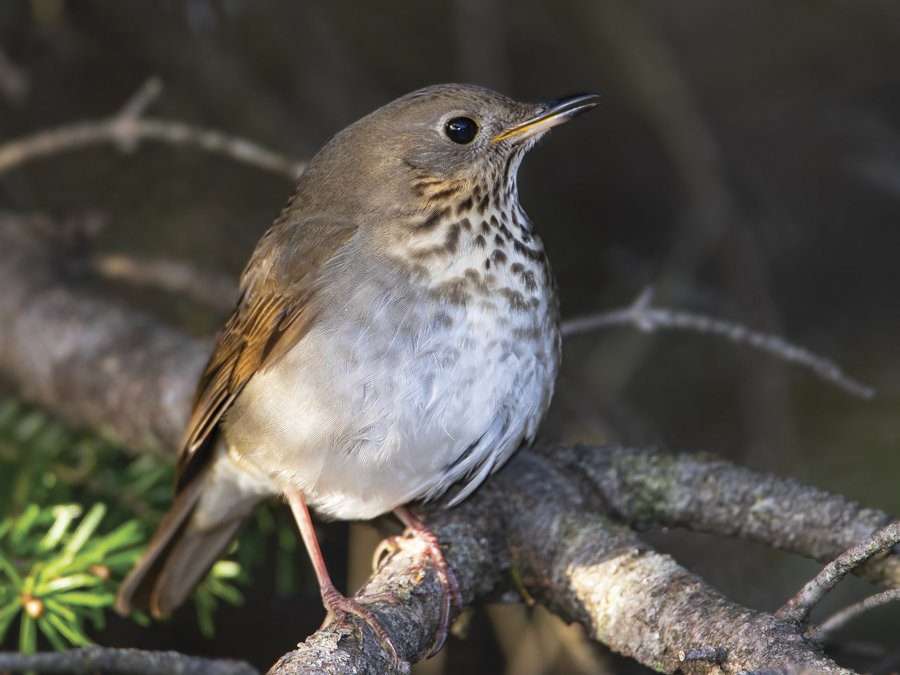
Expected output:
(429, 367)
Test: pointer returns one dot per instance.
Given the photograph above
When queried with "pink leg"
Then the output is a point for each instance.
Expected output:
(448, 580)
(335, 603)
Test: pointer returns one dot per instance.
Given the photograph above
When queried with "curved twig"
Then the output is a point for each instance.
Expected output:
(127, 128)
(798, 607)
(838, 620)
(643, 316)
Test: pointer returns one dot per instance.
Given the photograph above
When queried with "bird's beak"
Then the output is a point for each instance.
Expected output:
(551, 114)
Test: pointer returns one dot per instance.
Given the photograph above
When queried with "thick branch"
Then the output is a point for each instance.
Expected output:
(121, 662)
(700, 492)
(583, 566)
(96, 364)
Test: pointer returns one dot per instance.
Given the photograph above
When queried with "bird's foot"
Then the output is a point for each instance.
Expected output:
(339, 606)
(425, 544)
(445, 575)
(385, 550)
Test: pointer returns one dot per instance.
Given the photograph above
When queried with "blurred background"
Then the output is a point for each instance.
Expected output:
(745, 162)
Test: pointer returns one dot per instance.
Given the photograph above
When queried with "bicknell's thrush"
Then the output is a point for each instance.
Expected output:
(396, 339)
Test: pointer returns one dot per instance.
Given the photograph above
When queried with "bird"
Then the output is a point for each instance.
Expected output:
(395, 341)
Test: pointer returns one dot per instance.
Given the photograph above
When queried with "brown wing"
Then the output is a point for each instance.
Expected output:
(276, 307)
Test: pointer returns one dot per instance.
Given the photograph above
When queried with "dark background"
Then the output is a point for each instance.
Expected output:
(745, 161)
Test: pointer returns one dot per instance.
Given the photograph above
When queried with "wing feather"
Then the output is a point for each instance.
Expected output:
(276, 307)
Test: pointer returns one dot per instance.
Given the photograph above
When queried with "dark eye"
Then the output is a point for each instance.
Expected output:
(461, 130)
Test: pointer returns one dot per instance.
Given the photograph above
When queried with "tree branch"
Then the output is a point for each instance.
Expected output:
(838, 620)
(701, 492)
(127, 128)
(544, 516)
(798, 607)
(581, 565)
(642, 315)
(94, 363)
(120, 661)
(216, 291)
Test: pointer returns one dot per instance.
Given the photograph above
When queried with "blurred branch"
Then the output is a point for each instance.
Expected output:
(217, 291)
(94, 363)
(128, 127)
(544, 516)
(14, 82)
(798, 607)
(120, 661)
(643, 316)
(838, 620)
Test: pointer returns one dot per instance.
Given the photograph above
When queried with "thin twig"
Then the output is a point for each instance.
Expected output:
(121, 662)
(127, 128)
(838, 620)
(140, 100)
(798, 607)
(217, 291)
(643, 316)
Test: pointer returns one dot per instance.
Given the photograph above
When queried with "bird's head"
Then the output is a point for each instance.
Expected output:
(435, 144)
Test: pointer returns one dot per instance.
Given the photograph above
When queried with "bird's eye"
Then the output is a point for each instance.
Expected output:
(461, 130)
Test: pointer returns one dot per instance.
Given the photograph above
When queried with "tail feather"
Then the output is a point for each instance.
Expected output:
(204, 518)
(191, 558)
(135, 591)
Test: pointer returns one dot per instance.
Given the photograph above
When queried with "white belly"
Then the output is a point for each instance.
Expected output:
(393, 396)
(361, 431)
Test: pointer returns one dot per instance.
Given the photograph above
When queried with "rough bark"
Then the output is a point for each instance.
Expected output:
(544, 520)
(534, 523)
(701, 492)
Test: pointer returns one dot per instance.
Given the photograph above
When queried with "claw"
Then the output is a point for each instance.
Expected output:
(427, 541)
(338, 606)
(384, 551)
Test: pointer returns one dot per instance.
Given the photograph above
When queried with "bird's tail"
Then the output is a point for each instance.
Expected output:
(204, 518)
